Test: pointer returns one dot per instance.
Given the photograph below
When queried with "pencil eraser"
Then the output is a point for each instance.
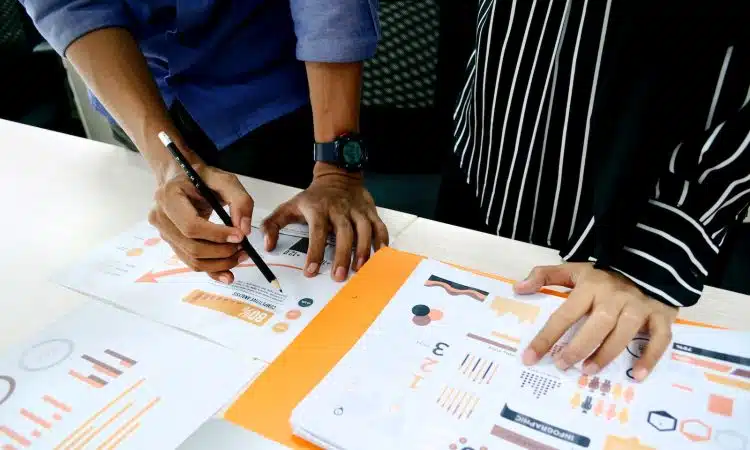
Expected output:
(164, 138)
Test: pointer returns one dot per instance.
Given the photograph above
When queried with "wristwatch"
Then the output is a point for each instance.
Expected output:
(347, 151)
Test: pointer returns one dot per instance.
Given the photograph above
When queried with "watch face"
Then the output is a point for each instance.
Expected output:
(352, 153)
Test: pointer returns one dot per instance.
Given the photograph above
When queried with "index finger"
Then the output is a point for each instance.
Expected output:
(183, 214)
(577, 304)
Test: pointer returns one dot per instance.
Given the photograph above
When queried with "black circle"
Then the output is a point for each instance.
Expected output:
(420, 310)
(338, 411)
(305, 302)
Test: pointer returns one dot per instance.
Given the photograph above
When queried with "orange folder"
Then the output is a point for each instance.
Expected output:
(266, 406)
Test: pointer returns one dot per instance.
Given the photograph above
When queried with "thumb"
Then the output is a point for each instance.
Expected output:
(233, 193)
(540, 276)
(282, 216)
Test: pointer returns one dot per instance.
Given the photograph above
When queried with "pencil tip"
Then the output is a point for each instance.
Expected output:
(277, 285)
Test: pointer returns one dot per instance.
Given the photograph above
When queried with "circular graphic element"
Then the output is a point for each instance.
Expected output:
(46, 354)
(293, 314)
(281, 327)
(420, 310)
(338, 411)
(305, 302)
(150, 242)
(435, 314)
(421, 320)
(636, 346)
(134, 252)
(11, 386)
(629, 373)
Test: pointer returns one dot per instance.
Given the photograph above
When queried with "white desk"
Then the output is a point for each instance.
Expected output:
(63, 196)
(514, 259)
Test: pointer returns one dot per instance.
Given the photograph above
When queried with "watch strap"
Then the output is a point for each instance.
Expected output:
(325, 152)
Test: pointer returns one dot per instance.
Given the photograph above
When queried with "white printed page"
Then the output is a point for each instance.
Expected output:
(138, 271)
(441, 368)
(103, 378)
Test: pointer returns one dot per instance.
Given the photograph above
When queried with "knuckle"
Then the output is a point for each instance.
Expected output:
(632, 315)
(191, 229)
(604, 316)
(153, 217)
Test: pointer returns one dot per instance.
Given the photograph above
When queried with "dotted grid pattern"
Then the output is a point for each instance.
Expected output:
(539, 384)
(403, 73)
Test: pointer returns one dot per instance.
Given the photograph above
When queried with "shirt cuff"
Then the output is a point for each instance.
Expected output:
(667, 255)
(336, 51)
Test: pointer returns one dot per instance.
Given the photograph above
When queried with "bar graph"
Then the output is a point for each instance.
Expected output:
(106, 372)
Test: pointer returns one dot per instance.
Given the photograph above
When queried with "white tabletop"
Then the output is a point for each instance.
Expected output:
(63, 196)
(515, 259)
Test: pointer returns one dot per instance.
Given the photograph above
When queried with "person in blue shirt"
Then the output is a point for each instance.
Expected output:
(235, 83)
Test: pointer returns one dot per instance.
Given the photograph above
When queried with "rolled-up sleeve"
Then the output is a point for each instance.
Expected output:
(705, 189)
(61, 22)
(335, 30)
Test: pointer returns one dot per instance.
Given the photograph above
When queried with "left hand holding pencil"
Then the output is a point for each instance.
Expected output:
(181, 215)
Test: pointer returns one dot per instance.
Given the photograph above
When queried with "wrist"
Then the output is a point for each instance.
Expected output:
(161, 161)
(324, 169)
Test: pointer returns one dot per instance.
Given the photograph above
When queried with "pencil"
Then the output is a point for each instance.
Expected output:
(210, 197)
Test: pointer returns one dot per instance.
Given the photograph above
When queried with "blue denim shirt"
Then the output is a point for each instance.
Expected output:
(234, 64)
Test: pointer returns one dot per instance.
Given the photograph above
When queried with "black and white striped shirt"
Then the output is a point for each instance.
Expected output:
(614, 130)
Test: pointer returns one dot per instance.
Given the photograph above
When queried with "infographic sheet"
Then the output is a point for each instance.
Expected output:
(139, 272)
(440, 368)
(103, 378)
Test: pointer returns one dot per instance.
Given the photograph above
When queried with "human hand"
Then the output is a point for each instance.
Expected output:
(617, 311)
(338, 200)
(181, 215)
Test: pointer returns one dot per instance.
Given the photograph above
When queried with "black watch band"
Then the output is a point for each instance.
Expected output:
(346, 151)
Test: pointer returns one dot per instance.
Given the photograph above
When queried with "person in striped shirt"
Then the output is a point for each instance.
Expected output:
(617, 132)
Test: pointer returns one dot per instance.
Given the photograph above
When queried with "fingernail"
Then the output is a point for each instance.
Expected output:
(234, 239)
(640, 374)
(519, 285)
(267, 242)
(243, 257)
(340, 273)
(529, 357)
(225, 279)
(360, 263)
(590, 368)
(246, 225)
(312, 268)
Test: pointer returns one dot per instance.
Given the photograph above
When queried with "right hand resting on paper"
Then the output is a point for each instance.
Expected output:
(181, 215)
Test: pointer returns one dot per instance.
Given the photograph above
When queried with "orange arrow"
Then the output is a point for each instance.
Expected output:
(575, 402)
(153, 277)
(623, 416)
(628, 394)
(599, 408)
(616, 391)
(611, 412)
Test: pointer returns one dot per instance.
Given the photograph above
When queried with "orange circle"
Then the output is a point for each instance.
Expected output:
(135, 252)
(281, 327)
(293, 314)
(435, 314)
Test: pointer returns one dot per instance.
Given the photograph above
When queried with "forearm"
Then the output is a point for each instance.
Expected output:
(335, 98)
(115, 70)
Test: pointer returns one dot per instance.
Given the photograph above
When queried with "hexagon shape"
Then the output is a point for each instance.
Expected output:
(695, 430)
(662, 420)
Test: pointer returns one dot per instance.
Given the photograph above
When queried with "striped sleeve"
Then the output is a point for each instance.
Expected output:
(703, 191)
